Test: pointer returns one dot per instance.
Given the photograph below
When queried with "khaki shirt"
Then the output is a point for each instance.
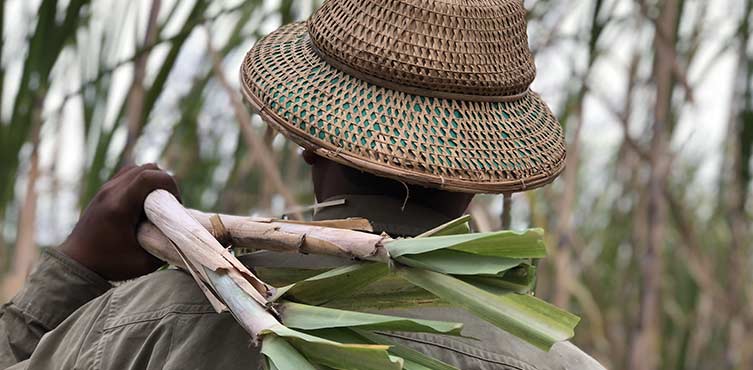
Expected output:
(67, 317)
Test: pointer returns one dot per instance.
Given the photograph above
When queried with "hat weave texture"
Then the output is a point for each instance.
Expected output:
(476, 47)
(435, 93)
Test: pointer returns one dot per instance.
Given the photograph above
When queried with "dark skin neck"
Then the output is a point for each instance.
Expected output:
(332, 179)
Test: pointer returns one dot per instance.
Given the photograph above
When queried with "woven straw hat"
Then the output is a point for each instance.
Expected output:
(431, 92)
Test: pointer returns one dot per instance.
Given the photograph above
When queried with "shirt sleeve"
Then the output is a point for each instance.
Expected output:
(161, 321)
(56, 288)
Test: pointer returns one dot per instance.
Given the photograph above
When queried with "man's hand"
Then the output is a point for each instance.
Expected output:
(104, 239)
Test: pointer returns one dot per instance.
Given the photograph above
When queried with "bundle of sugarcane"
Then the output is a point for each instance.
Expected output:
(298, 326)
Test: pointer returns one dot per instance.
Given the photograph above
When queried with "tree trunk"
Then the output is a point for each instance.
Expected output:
(26, 253)
(565, 230)
(646, 346)
(137, 92)
(259, 152)
(735, 183)
(506, 211)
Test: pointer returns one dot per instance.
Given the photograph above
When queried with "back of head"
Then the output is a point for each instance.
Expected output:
(332, 179)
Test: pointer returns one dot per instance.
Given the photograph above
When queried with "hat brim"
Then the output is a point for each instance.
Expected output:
(456, 145)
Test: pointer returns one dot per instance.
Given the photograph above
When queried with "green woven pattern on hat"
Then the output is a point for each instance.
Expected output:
(478, 141)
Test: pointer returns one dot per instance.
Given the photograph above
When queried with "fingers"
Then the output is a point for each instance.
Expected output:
(147, 181)
(123, 170)
(151, 166)
(143, 262)
(104, 239)
(130, 261)
(125, 175)
(131, 167)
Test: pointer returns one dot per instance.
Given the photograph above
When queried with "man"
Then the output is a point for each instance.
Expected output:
(163, 321)
(406, 140)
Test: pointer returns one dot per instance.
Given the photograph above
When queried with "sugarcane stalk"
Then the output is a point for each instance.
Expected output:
(183, 241)
(253, 317)
(195, 247)
(273, 235)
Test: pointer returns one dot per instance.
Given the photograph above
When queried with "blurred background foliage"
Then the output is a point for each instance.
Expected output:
(649, 228)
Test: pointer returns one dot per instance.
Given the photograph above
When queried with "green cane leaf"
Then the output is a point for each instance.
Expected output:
(281, 355)
(389, 292)
(338, 282)
(448, 261)
(338, 355)
(520, 279)
(307, 317)
(524, 316)
(460, 225)
(412, 359)
(508, 244)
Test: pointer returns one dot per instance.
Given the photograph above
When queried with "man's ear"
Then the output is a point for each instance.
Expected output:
(310, 157)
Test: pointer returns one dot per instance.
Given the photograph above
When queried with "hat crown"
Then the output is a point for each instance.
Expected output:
(468, 47)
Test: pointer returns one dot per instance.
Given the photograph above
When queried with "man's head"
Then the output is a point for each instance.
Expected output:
(332, 179)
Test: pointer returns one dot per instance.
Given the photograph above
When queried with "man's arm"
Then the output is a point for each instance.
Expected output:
(57, 287)
(102, 247)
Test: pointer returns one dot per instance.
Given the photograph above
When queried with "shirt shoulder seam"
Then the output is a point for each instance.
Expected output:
(161, 314)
